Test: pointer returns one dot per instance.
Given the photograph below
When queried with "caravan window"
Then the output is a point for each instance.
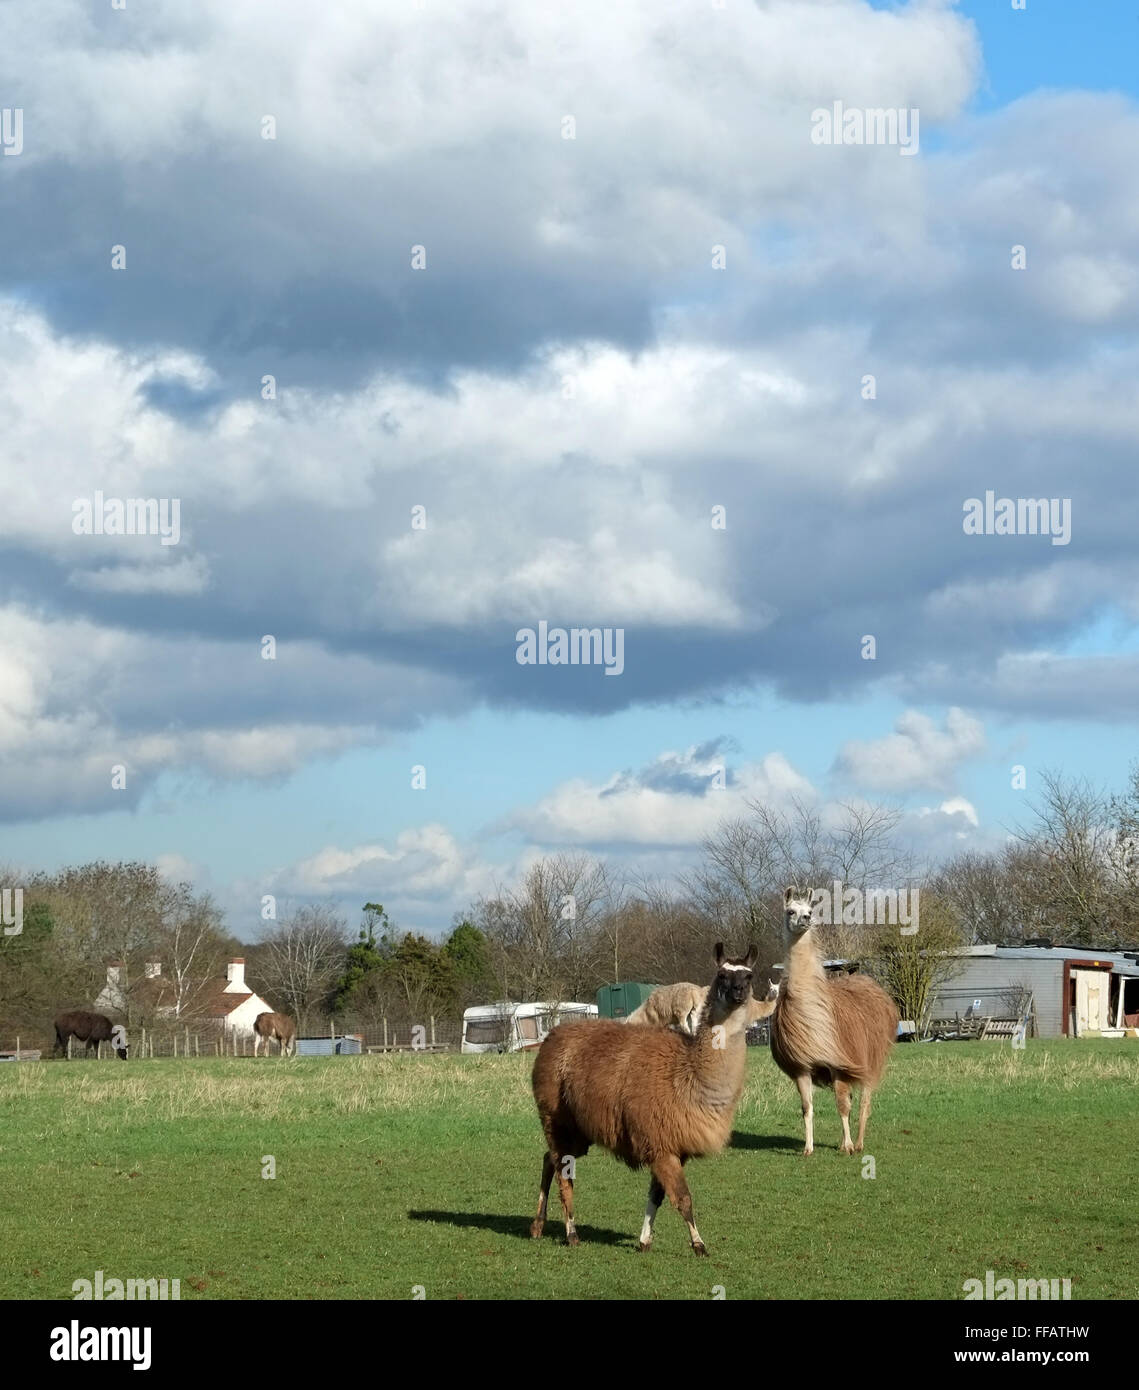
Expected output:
(528, 1029)
(485, 1030)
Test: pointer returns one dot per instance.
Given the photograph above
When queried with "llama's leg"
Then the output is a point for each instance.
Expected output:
(652, 1206)
(539, 1221)
(842, 1100)
(863, 1116)
(806, 1091)
(669, 1173)
(257, 1043)
(564, 1167)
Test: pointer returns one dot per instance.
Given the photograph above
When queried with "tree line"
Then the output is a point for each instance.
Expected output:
(572, 922)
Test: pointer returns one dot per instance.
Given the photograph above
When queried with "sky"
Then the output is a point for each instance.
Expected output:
(442, 321)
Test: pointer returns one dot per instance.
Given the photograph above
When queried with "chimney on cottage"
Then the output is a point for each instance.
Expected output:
(153, 969)
(235, 976)
(115, 974)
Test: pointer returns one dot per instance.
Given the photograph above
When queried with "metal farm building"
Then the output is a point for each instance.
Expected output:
(1075, 992)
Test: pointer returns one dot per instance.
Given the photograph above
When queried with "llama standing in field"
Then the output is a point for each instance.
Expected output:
(279, 1027)
(91, 1030)
(828, 1032)
(649, 1095)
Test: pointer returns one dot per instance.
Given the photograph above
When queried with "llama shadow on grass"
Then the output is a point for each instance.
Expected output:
(739, 1140)
(519, 1226)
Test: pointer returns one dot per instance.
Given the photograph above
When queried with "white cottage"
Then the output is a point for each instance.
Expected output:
(229, 1003)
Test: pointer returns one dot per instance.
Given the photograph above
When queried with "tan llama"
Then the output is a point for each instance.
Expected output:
(828, 1032)
(679, 1006)
(672, 1006)
(653, 1097)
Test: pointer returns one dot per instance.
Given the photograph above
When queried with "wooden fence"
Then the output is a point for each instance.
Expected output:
(144, 1043)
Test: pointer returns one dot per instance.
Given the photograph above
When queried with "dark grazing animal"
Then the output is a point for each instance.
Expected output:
(91, 1030)
(651, 1096)
(828, 1032)
(277, 1027)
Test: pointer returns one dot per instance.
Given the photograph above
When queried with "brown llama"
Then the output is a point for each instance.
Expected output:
(651, 1096)
(828, 1032)
(275, 1027)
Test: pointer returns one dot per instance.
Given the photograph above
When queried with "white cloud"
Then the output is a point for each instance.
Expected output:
(425, 863)
(629, 809)
(917, 754)
(188, 575)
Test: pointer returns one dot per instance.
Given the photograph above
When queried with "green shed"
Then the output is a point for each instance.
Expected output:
(619, 1001)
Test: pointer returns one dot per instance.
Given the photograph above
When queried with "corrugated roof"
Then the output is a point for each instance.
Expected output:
(1120, 961)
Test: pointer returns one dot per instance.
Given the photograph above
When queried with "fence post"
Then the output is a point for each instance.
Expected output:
(17, 1047)
(69, 1047)
(432, 1030)
(143, 1052)
(385, 1035)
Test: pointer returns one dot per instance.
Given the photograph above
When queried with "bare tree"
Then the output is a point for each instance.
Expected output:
(191, 946)
(913, 969)
(748, 861)
(1077, 878)
(302, 957)
(545, 936)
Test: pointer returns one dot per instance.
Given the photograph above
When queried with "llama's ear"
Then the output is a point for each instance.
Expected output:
(788, 895)
(719, 953)
(750, 958)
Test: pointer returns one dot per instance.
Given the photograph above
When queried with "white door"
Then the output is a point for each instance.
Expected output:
(1092, 987)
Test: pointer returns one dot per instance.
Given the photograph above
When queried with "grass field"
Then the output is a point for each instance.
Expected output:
(394, 1172)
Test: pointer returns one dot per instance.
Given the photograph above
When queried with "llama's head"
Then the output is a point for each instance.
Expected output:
(772, 990)
(798, 907)
(119, 1041)
(732, 986)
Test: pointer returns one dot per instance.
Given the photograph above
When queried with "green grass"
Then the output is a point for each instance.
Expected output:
(394, 1172)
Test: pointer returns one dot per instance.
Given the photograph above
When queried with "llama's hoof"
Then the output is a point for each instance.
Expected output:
(808, 1152)
(846, 1148)
(699, 1248)
(857, 1149)
(644, 1246)
(535, 1230)
(572, 1239)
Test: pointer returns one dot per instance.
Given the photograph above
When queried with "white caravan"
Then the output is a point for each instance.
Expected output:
(508, 1027)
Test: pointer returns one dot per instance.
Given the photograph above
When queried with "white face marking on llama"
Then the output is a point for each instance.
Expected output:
(732, 985)
(798, 910)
